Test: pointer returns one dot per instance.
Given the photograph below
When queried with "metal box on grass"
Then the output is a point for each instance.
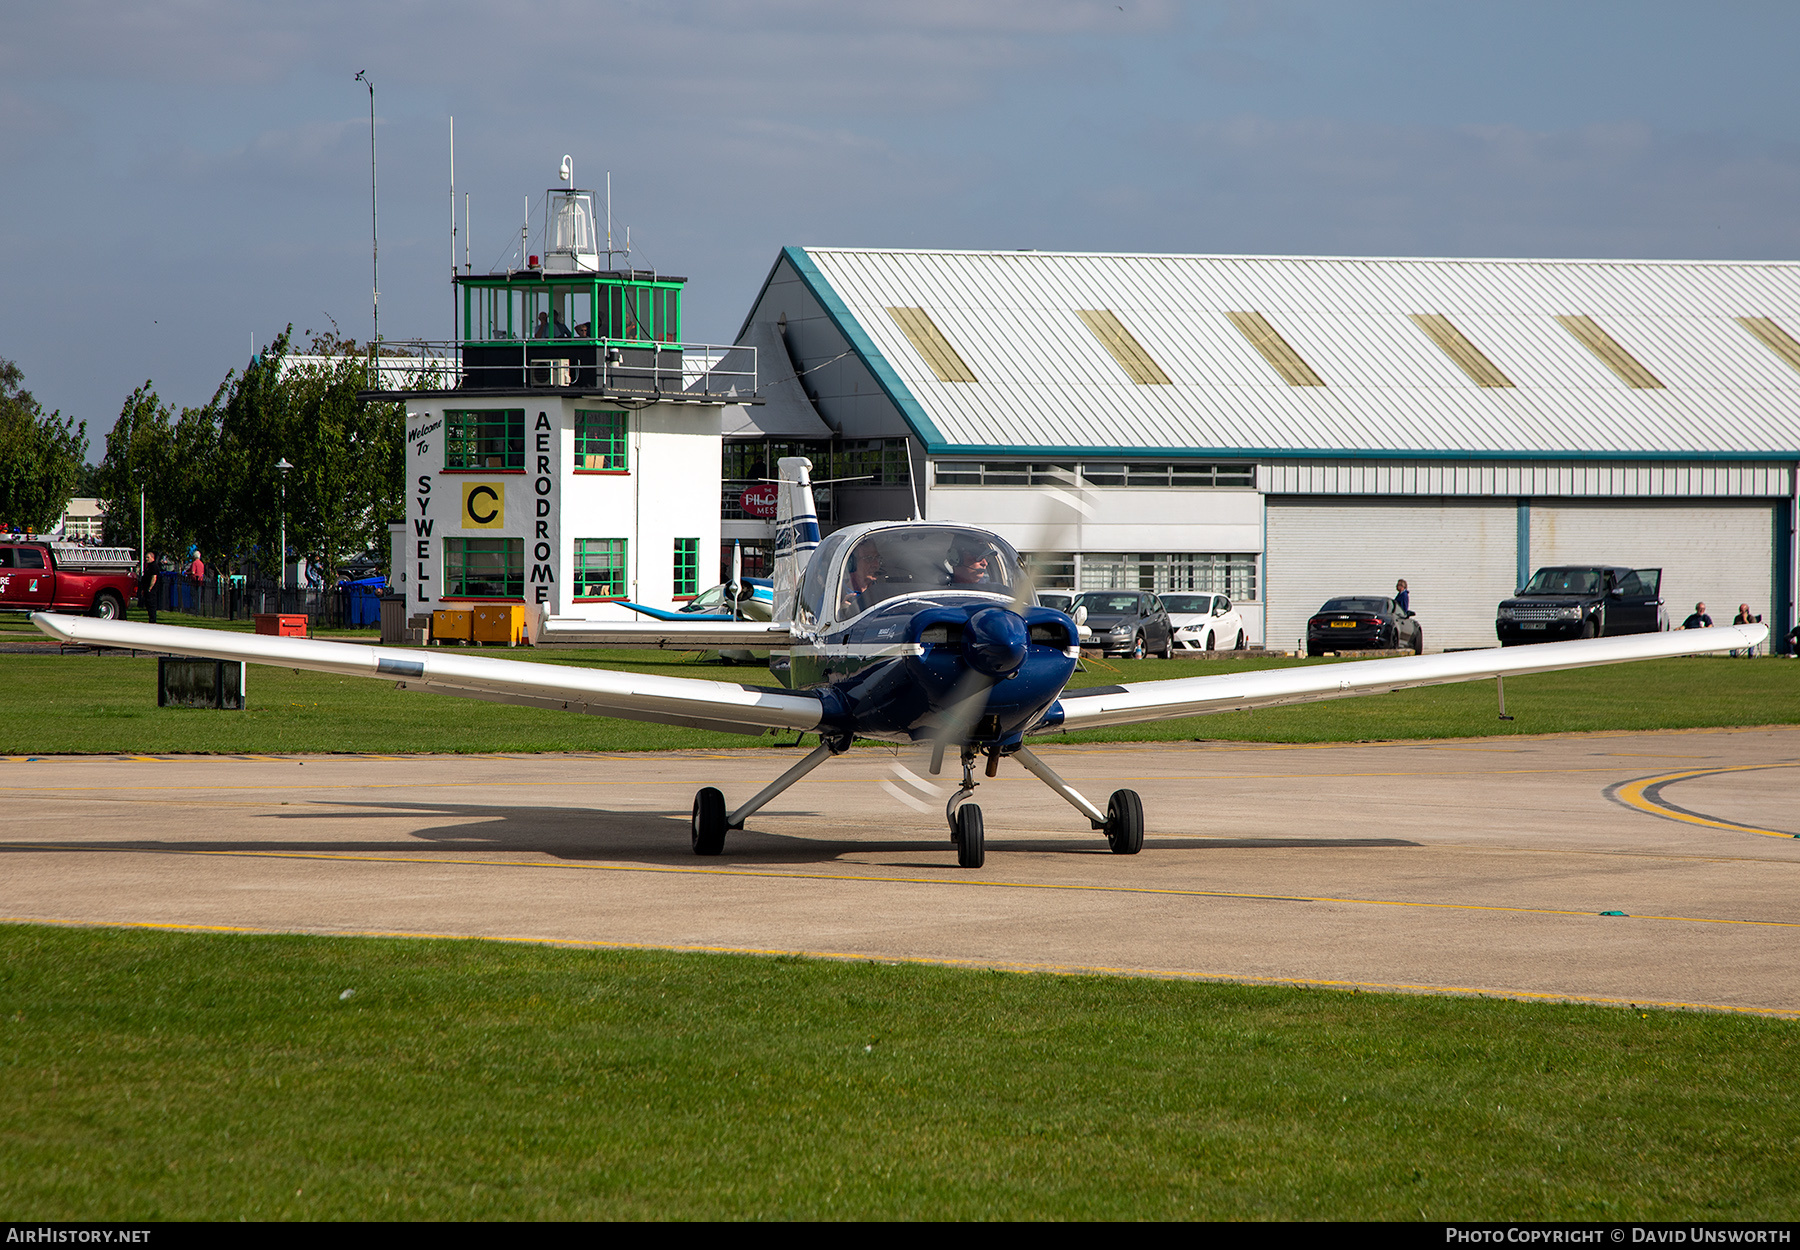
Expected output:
(182, 681)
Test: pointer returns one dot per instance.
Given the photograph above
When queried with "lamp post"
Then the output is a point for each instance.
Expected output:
(362, 77)
(281, 584)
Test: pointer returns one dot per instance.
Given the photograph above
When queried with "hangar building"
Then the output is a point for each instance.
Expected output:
(1286, 429)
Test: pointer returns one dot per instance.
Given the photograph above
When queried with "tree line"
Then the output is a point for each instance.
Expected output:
(208, 474)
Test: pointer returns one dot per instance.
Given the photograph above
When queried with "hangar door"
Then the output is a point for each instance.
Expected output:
(1717, 551)
(1459, 556)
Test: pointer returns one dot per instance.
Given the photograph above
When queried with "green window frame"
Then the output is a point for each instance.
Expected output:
(484, 438)
(600, 568)
(600, 440)
(687, 567)
(484, 568)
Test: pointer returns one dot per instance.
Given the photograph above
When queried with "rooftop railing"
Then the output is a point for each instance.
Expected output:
(652, 370)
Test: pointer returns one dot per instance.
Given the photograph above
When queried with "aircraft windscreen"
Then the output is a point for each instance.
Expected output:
(915, 558)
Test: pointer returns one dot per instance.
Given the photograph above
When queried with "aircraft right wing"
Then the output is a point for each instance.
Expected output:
(1231, 692)
(686, 701)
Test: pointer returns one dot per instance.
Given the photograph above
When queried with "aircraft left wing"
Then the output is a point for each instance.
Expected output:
(631, 696)
(1232, 692)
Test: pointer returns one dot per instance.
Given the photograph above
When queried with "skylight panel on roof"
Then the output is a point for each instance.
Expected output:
(1124, 348)
(1614, 357)
(1274, 349)
(1773, 337)
(1463, 353)
(930, 343)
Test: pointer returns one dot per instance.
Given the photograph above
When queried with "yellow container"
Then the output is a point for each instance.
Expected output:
(450, 625)
(500, 622)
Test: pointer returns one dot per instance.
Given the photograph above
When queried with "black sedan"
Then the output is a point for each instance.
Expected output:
(1363, 624)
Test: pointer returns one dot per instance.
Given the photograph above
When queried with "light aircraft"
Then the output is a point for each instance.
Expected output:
(918, 632)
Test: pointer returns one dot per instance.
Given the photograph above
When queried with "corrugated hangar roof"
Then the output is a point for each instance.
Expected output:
(1073, 352)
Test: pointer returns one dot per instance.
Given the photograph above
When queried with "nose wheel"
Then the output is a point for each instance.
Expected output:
(965, 819)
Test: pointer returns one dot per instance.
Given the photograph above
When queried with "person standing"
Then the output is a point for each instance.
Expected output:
(147, 584)
(1403, 596)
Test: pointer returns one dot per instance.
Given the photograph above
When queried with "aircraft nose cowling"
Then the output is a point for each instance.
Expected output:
(995, 641)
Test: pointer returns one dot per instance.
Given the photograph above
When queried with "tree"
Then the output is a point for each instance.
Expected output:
(41, 455)
(209, 474)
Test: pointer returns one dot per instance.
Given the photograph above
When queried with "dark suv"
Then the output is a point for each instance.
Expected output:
(1582, 601)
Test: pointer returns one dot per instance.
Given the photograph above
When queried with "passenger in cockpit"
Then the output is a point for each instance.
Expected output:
(860, 577)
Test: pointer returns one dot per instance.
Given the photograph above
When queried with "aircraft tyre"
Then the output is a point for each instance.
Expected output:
(1125, 822)
(970, 851)
(709, 822)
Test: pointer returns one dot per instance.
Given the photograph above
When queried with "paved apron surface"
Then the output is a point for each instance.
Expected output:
(1476, 865)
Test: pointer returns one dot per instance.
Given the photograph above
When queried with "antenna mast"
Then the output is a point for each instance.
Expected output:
(453, 227)
(362, 76)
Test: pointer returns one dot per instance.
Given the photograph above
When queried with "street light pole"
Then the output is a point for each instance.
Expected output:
(281, 583)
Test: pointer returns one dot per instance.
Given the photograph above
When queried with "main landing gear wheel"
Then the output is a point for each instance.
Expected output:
(709, 822)
(970, 852)
(1125, 822)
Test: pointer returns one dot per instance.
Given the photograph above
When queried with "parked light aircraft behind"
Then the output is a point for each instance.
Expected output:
(920, 632)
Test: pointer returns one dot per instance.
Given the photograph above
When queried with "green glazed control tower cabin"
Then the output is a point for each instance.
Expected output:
(563, 451)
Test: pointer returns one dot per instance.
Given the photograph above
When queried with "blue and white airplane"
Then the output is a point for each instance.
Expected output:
(919, 632)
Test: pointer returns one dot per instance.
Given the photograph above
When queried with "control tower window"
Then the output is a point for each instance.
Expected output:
(485, 438)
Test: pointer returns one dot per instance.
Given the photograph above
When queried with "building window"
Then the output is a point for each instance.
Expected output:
(484, 568)
(600, 440)
(1051, 570)
(1230, 574)
(758, 557)
(599, 568)
(487, 438)
(1121, 473)
(687, 567)
(880, 461)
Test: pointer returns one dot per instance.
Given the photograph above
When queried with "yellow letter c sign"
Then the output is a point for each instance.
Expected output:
(484, 505)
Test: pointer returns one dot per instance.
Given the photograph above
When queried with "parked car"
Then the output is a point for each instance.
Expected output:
(1582, 601)
(1363, 623)
(1205, 622)
(1061, 600)
(1128, 622)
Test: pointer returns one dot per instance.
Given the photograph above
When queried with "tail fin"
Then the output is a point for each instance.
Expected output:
(796, 532)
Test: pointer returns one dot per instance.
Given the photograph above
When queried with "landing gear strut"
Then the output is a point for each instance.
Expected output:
(711, 823)
(965, 818)
(1123, 820)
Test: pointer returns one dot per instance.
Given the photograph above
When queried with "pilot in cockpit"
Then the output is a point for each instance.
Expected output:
(861, 573)
(969, 563)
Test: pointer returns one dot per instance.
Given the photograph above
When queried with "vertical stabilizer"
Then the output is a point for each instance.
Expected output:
(796, 532)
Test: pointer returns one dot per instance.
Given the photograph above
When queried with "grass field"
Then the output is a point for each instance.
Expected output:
(162, 1076)
(107, 704)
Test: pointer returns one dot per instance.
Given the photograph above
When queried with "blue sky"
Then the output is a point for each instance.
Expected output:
(180, 178)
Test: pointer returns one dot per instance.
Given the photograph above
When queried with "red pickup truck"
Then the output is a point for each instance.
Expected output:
(30, 581)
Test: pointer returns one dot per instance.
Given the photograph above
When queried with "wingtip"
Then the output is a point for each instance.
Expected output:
(54, 624)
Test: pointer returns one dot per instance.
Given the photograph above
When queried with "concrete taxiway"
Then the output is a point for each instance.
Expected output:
(1650, 868)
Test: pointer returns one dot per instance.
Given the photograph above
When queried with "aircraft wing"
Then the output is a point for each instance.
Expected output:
(1231, 692)
(632, 696)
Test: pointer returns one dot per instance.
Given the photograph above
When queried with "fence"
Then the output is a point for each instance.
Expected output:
(240, 598)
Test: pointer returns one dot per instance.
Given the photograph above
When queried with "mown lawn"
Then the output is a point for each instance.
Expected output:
(107, 704)
(148, 1075)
